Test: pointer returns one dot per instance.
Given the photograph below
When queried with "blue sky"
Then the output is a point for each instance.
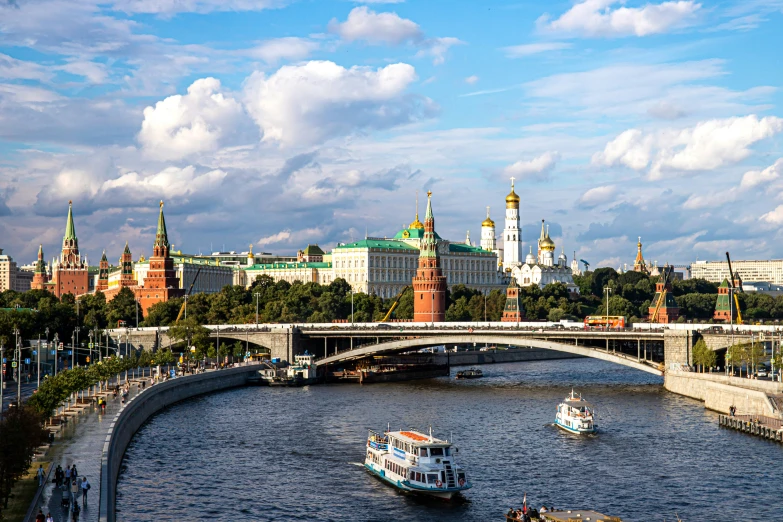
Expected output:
(284, 122)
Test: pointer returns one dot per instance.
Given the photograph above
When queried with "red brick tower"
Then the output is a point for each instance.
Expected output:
(39, 278)
(70, 275)
(513, 312)
(664, 308)
(161, 283)
(429, 285)
(126, 262)
(103, 274)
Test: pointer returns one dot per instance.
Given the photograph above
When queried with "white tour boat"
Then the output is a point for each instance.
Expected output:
(416, 462)
(575, 415)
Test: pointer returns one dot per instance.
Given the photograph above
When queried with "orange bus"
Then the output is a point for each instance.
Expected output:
(604, 321)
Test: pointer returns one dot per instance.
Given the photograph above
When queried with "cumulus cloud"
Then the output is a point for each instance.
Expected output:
(754, 178)
(537, 169)
(519, 51)
(774, 217)
(196, 122)
(470, 80)
(706, 146)
(597, 196)
(711, 200)
(597, 18)
(171, 182)
(374, 28)
(288, 48)
(313, 102)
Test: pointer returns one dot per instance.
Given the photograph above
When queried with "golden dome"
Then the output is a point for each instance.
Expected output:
(512, 200)
(416, 223)
(487, 223)
(547, 244)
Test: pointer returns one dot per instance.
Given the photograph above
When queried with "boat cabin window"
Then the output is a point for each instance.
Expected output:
(436, 452)
(460, 476)
(448, 451)
(432, 478)
(422, 452)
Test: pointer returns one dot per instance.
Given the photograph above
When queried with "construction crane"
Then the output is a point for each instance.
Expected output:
(734, 293)
(185, 302)
(587, 265)
(394, 305)
(661, 298)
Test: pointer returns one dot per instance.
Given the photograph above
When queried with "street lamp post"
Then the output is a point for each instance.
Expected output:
(217, 348)
(73, 352)
(90, 345)
(257, 295)
(2, 384)
(607, 290)
(38, 362)
(351, 305)
(18, 368)
(56, 343)
(46, 331)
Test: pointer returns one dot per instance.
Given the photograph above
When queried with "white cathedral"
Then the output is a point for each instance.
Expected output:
(539, 270)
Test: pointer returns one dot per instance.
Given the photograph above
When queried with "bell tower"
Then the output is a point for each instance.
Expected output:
(429, 285)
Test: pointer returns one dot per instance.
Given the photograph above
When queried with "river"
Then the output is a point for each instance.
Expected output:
(295, 453)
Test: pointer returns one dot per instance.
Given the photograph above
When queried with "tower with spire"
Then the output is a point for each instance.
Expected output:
(639, 264)
(161, 282)
(103, 274)
(40, 277)
(488, 241)
(512, 242)
(429, 285)
(546, 247)
(70, 274)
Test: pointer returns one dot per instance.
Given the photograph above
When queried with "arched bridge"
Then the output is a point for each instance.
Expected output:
(405, 345)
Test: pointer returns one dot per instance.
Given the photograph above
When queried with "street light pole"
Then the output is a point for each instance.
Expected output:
(217, 348)
(56, 342)
(607, 290)
(256, 296)
(73, 352)
(351, 305)
(18, 369)
(2, 384)
(38, 362)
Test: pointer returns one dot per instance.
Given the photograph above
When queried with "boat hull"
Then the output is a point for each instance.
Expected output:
(574, 431)
(442, 493)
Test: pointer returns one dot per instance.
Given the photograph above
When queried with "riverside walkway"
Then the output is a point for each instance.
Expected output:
(80, 442)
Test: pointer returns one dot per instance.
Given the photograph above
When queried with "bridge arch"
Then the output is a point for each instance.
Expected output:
(402, 345)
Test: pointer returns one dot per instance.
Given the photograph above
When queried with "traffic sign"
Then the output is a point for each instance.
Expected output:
(35, 352)
(27, 360)
(70, 352)
(88, 358)
(44, 344)
(13, 364)
(4, 361)
(54, 351)
(91, 346)
(60, 346)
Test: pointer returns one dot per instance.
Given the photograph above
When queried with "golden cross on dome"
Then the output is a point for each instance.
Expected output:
(429, 193)
(512, 182)
(161, 203)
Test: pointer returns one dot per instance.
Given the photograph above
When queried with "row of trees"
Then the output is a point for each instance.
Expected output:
(271, 302)
(21, 432)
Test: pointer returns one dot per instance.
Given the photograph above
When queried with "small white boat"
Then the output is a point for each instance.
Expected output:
(415, 462)
(576, 415)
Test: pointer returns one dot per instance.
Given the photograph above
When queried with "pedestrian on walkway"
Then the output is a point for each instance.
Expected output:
(103, 405)
(78, 484)
(58, 475)
(41, 474)
(75, 512)
(85, 488)
(49, 517)
(67, 477)
(74, 473)
(74, 492)
(40, 517)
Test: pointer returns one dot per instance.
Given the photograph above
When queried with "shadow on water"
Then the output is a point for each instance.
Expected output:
(296, 454)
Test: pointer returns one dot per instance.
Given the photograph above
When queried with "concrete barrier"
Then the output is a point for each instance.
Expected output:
(720, 392)
(145, 404)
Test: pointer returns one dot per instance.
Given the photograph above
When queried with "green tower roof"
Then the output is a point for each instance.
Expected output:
(161, 236)
(70, 230)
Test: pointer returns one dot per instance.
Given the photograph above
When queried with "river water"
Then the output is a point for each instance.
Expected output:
(296, 453)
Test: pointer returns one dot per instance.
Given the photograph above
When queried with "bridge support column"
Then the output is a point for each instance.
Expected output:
(638, 349)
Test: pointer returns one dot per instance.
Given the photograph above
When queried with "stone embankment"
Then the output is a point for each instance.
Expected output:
(721, 392)
(141, 407)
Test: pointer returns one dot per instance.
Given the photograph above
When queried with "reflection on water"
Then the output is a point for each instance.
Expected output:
(296, 454)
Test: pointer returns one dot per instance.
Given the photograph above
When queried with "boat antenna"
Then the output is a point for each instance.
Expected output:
(430, 433)
(388, 427)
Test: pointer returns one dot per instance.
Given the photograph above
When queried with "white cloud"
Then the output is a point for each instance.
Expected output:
(27, 95)
(711, 200)
(374, 28)
(289, 48)
(171, 181)
(597, 196)
(283, 235)
(706, 146)
(774, 217)
(170, 7)
(437, 48)
(318, 100)
(596, 18)
(470, 80)
(518, 51)
(537, 168)
(196, 122)
(13, 69)
(95, 72)
(753, 178)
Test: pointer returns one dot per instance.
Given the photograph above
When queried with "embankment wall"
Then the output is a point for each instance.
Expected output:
(720, 392)
(144, 405)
